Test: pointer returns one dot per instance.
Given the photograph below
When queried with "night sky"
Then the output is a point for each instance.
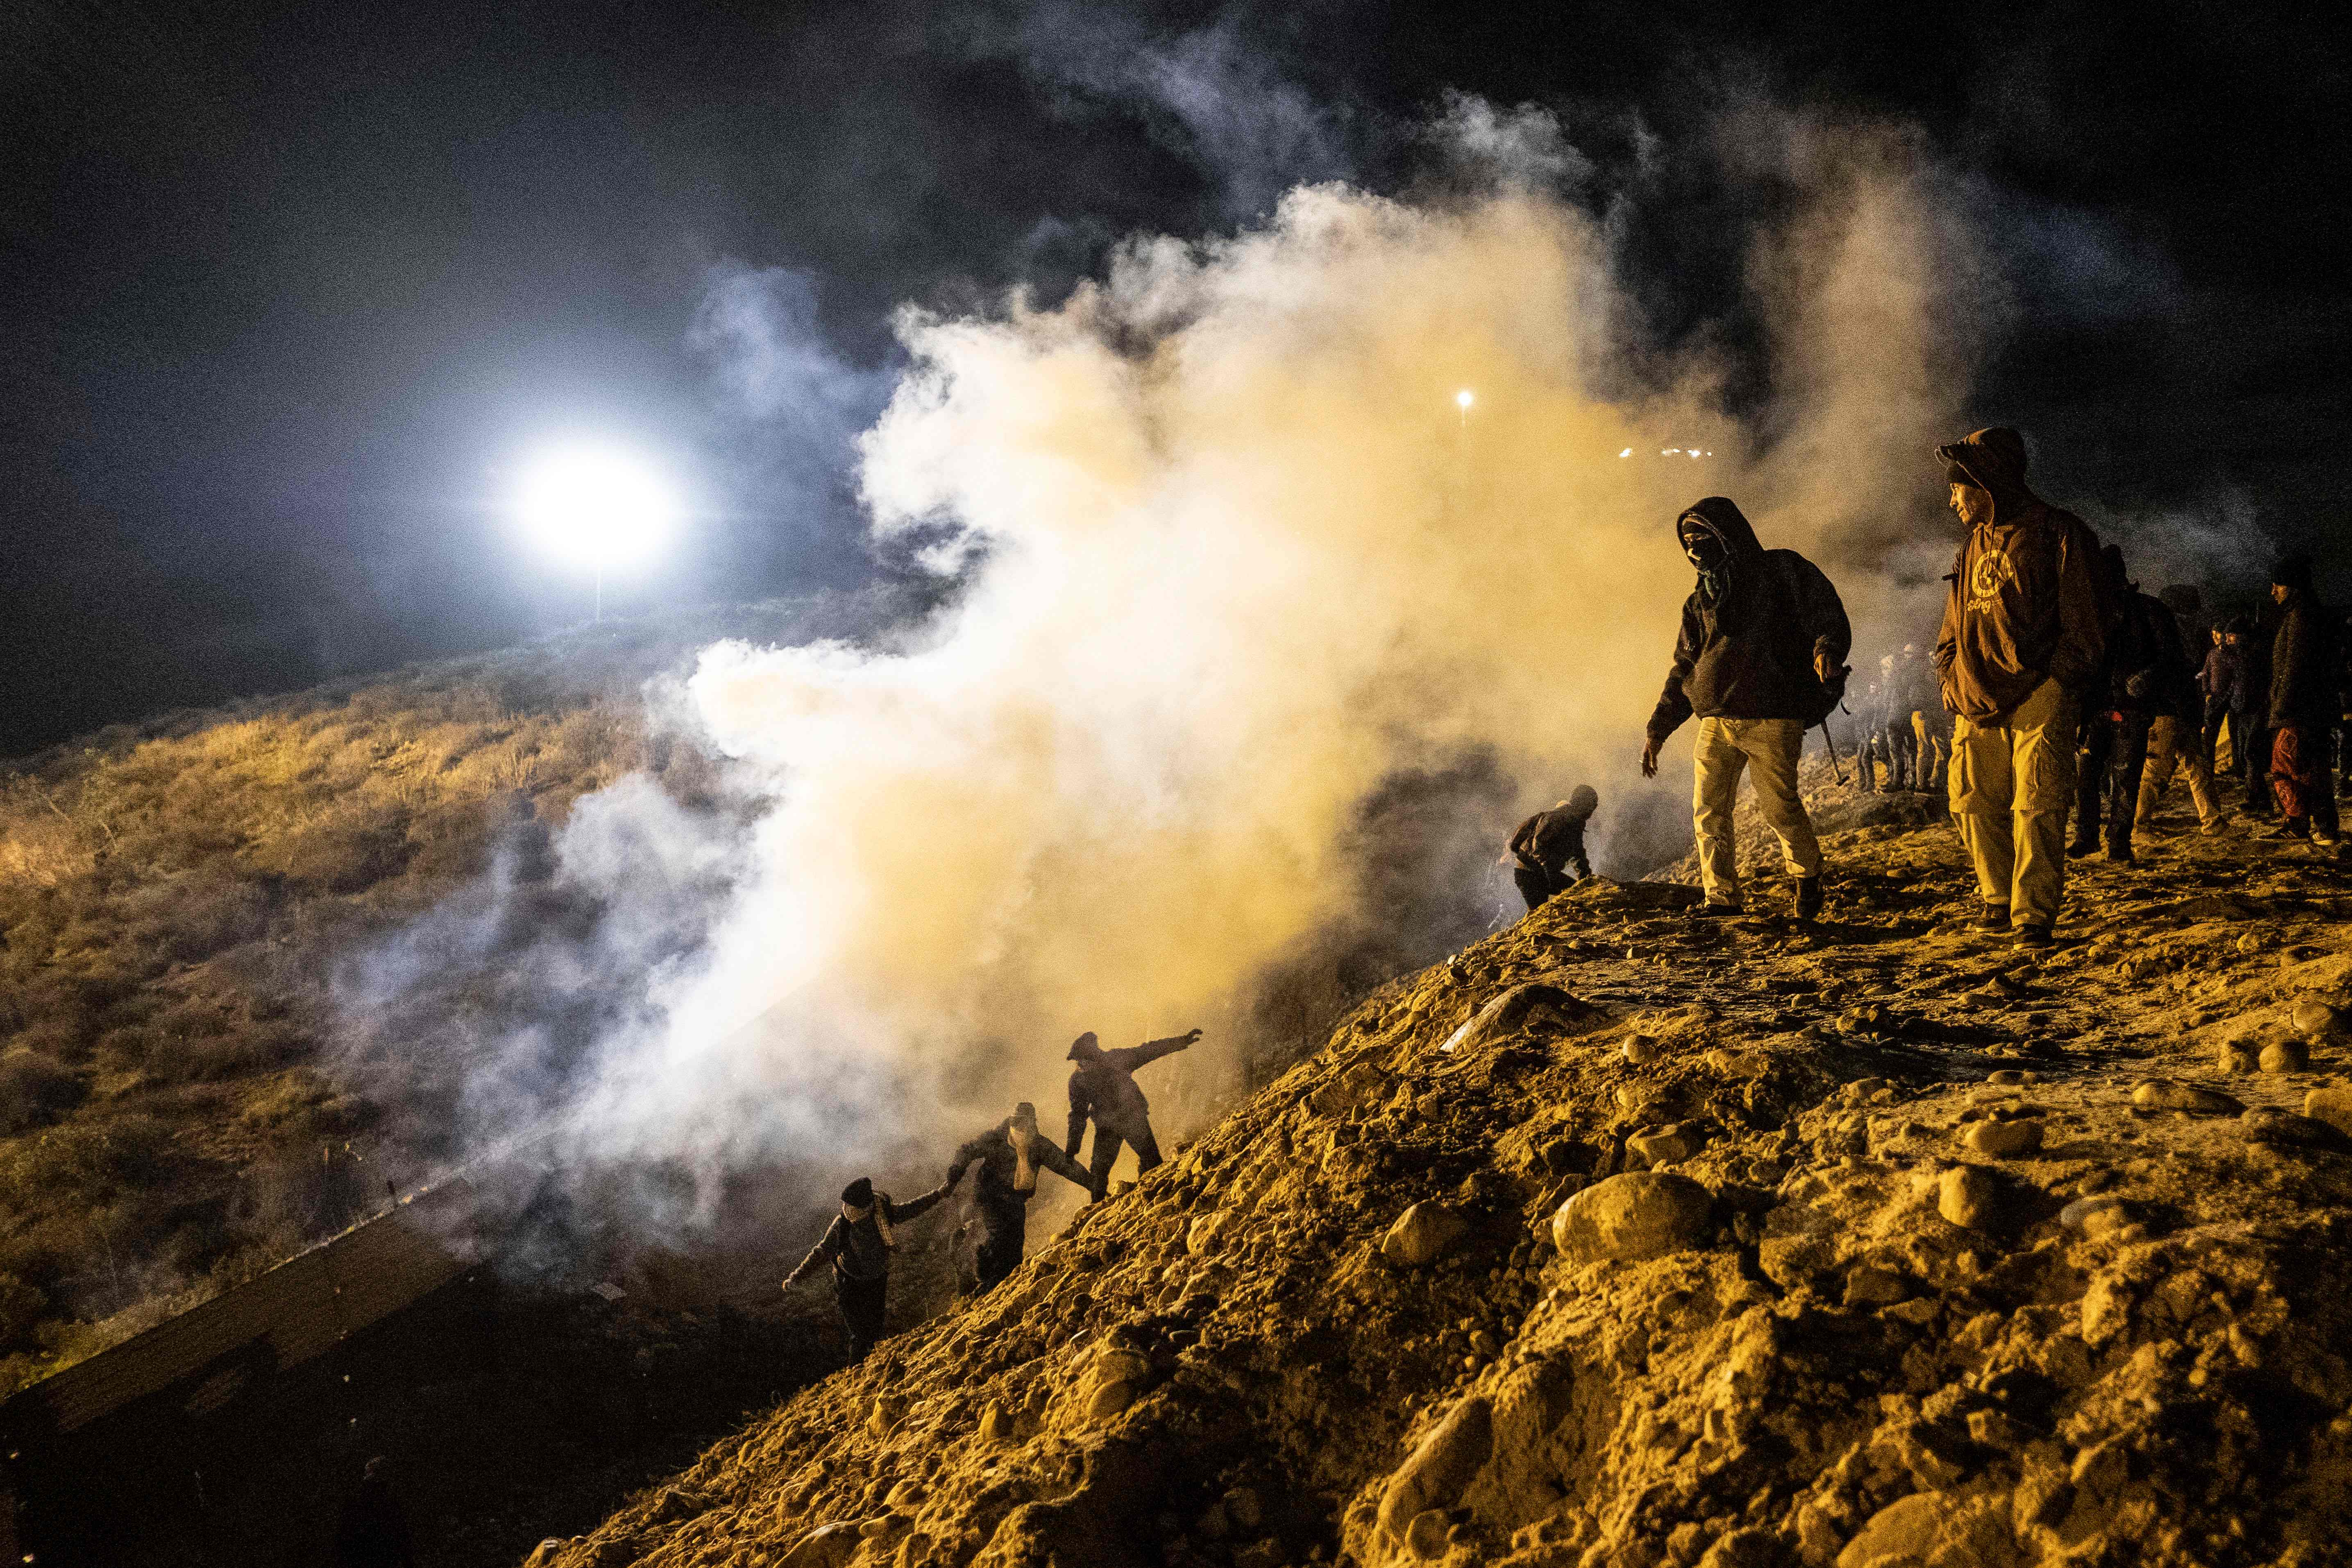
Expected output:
(288, 291)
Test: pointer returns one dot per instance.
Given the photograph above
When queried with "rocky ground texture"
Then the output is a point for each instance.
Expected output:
(1625, 1238)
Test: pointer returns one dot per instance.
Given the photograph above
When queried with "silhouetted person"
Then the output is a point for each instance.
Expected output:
(2176, 741)
(2020, 646)
(1103, 1086)
(1761, 658)
(1009, 1156)
(372, 1528)
(2306, 657)
(858, 1244)
(1548, 843)
(1893, 715)
(2139, 681)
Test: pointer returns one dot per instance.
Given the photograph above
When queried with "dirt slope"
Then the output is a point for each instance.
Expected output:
(1738, 1245)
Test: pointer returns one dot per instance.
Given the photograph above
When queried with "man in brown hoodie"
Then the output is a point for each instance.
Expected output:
(2020, 646)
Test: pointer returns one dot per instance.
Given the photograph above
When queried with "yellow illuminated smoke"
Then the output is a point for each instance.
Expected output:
(1237, 554)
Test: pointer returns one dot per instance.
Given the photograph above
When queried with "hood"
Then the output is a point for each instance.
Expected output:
(1992, 459)
(1723, 519)
(1085, 1048)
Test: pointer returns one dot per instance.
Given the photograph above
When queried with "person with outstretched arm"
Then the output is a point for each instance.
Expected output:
(858, 1244)
(1103, 1087)
(1009, 1155)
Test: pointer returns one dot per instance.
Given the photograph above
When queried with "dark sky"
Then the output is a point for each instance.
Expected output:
(289, 290)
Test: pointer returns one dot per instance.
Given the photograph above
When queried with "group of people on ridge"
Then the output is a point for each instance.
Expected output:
(1007, 1158)
(2058, 688)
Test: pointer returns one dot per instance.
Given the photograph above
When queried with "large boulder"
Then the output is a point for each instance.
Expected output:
(1422, 1234)
(1638, 1215)
(1442, 1468)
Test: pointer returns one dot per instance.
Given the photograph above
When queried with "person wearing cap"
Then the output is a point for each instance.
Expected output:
(1548, 844)
(2021, 646)
(2305, 656)
(1008, 1156)
(858, 1244)
(1103, 1087)
(1759, 660)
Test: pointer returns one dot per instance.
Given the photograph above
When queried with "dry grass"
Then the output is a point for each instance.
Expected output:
(172, 897)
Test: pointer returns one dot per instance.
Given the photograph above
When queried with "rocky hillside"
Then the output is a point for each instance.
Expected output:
(1625, 1240)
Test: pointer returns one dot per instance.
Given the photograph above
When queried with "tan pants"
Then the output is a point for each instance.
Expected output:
(2171, 744)
(1726, 749)
(2011, 785)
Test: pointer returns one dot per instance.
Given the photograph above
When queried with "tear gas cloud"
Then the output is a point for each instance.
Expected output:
(1230, 558)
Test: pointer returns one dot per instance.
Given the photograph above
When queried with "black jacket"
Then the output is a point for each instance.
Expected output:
(1748, 652)
(1552, 841)
(1103, 1086)
(2148, 668)
(856, 1248)
(997, 1187)
(2303, 664)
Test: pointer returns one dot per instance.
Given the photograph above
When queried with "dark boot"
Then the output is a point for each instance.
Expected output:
(1809, 897)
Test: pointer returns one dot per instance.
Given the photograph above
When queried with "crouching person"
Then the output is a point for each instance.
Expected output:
(1550, 843)
(859, 1245)
(1009, 1156)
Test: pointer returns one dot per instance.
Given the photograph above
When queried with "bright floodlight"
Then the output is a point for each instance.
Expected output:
(1463, 400)
(595, 507)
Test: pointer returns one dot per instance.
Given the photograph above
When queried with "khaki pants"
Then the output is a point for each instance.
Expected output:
(2011, 786)
(2173, 743)
(1726, 749)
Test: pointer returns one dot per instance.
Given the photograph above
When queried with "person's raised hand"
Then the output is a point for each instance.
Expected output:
(1190, 1039)
(1650, 760)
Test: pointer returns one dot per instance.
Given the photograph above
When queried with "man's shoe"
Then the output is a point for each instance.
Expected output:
(1711, 910)
(1992, 919)
(2119, 856)
(1809, 897)
(2081, 847)
(2324, 839)
(2293, 827)
(2033, 936)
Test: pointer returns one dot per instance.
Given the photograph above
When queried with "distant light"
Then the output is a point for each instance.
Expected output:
(597, 506)
(1671, 452)
(1626, 453)
(1463, 400)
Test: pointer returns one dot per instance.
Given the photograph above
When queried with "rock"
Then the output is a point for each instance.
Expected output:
(2002, 1139)
(1640, 1050)
(545, 1553)
(1425, 1536)
(884, 1527)
(2096, 1216)
(1111, 1400)
(826, 1546)
(1934, 1528)
(1440, 1468)
(1966, 1196)
(2266, 1124)
(1506, 1012)
(1871, 1285)
(1422, 1234)
(995, 1425)
(2331, 1103)
(2170, 1094)
(2237, 1056)
(2313, 1016)
(1631, 1218)
(1668, 1145)
(2249, 943)
(2287, 1055)
(1202, 1234)
(1241, 1505)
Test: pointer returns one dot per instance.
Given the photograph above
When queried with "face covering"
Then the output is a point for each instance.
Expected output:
(1706, 552)
(1024, 1135)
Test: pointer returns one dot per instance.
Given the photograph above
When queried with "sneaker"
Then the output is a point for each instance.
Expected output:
(1711, 911)
(2291, 827)
(1992, 918)
(2324, 839)
(2033, 936)
(1809, 897)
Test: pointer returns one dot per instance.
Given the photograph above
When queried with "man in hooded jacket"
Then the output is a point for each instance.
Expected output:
(2021, 646)
(1009, 1156)
(858, 1244)
(2306, 663)
(1761, 658)
(1102, 1086)
(1548, 844)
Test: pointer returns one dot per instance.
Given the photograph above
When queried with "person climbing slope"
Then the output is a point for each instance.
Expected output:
(1102, 1086)
(1548, 844)
(858, 1244)
(1761, 658)
(1009, 1155)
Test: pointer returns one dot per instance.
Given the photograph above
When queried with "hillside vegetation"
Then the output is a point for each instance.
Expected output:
(175, 897)
(1621, 1239)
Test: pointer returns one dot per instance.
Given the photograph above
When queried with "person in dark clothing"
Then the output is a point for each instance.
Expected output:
(372, 1528)
(2251, 724)
(2176, 735)
(859, 1245)
(1759, 660)
(2017, 659)
(2221, 680)
(2142, 676)
(1548, 844)
(1102, 1086)
(1009, 1155)
(2306, 657)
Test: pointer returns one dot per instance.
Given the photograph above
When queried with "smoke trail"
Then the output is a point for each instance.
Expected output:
(1237, 556)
